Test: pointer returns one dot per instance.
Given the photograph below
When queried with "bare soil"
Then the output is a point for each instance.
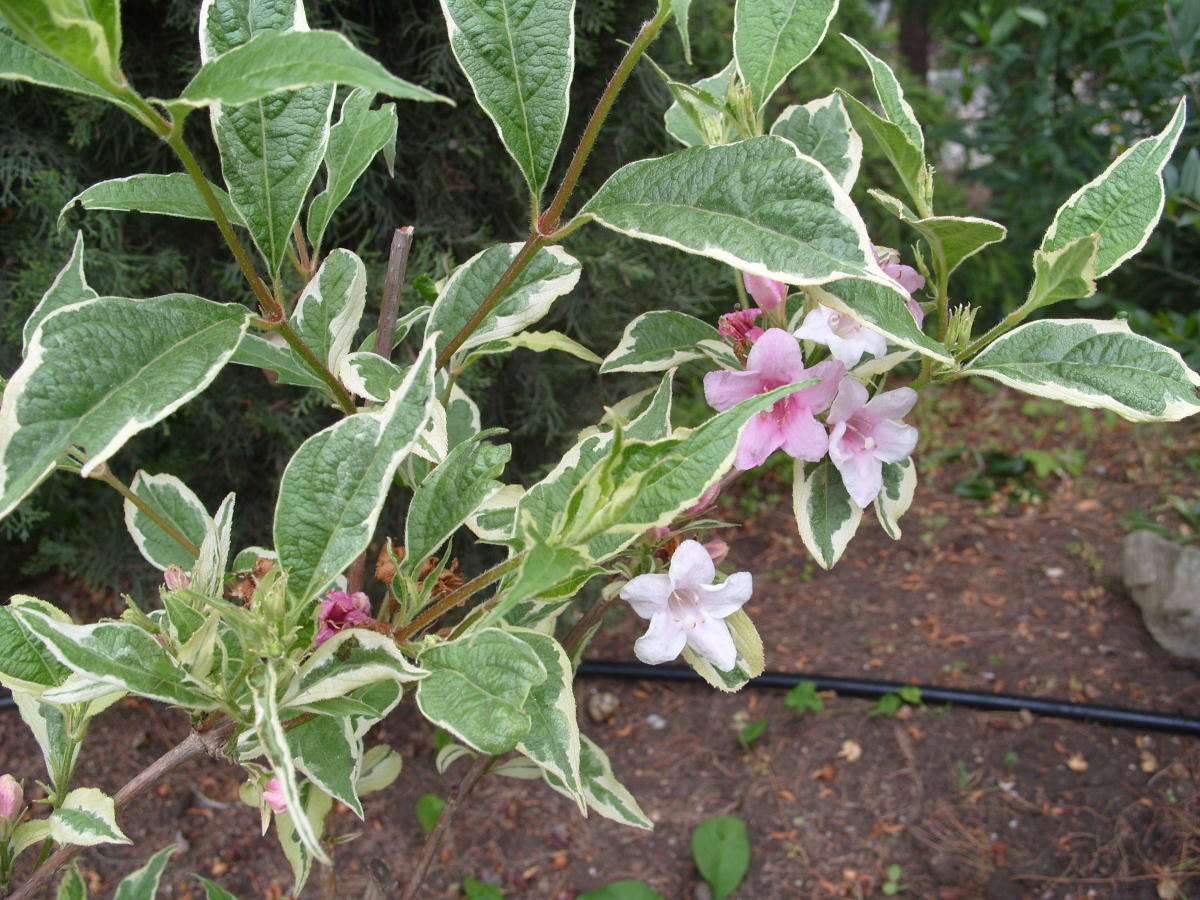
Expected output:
(1019, 592)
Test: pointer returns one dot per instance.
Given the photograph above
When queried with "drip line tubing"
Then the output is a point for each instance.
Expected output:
(870, 688)
(1145, 720)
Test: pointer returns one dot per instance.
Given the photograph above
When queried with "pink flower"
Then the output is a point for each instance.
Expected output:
(868, 433)
(12, 799)
(846, 339)
(272, 795)
(767, 292)
(739, 325)
(707, 499)
(686, 609)
(774, 361)
(907, 277)
(340, 611)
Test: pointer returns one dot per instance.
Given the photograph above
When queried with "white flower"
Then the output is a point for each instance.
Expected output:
(846, 339)
(685, 608)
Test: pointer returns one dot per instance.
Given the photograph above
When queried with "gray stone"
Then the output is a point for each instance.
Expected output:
(1164, 580)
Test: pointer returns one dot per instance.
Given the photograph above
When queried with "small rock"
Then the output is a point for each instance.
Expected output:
(1164, 580)
(1055, 572)
(655, 721)
(702, 892)
(602, 706)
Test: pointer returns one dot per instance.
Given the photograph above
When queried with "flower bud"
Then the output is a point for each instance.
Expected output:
(717, 549)
(12, 798)
(176, 579)
(273, 796)
(958, 327)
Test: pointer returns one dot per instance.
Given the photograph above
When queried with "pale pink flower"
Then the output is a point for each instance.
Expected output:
(272, 795)
(341, 610)
(767, 292)
(717, 549)
(175, 578)
(12, 798)
(686, 609)
(865, 434)
(707, 499)
(739, 325)
(775, 360)
(907, 277)
(846, 338)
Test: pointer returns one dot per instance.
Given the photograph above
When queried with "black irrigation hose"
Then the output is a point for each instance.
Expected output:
(872, 688)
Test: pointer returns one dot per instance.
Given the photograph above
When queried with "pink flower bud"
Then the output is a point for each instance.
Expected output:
(767, 292)
(717, 549)
(12, 798)
(273, 796)
(176, 579)
(707, 499)
(658, 533)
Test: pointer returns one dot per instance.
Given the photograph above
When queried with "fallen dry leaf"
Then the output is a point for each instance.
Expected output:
(851, 751)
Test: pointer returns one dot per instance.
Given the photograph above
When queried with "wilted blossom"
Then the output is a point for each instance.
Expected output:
(739, 325)
(341, 610)
(775, 360)
(175, 578)
(767, 292)
(846, 338)
(12, 799)
(907, 277)
(865, 434)
(686, 609)
(272, 795)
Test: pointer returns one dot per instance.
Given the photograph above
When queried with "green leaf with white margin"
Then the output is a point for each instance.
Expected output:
(275, 61)
(368, 375)
(213, 891)
(72, 887)
(821, 129)
(174, 501)
(357, 138)
(1067, 273)
(605, 794)
(495, 519)
(25, 663)
(538, 342)
(327, 752)
(906, 157)
(663, 339)
(825, 514)
(891, 96)
(698, 121)
(118, 654)
(519, 56)
(1121, 204)
(174, 194)
(86, 817)
(883, 307)
(274, 741)
(351, 659)
(542, 502)
(84, 34)
(208, 574)
(272, 147)
(545, 574)
(21, 62)
(69, 286)
(334, 486)
(477, 688)
(550, 274)
(751, 659)
(653, 422)
(450, 493)
(316, 806)
(48, 722)
(680, 10)
(145, 359)
(893, 501)
(330, 307)
(951, 239)
(1096, 364)
(758, 205)
(143, 884)
(381, 765)
(553, 738)
(28, 833)
(263, 353)
(772, 37)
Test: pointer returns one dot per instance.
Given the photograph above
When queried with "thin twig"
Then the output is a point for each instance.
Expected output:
(474, 774)
(393, 284)
(195, 744)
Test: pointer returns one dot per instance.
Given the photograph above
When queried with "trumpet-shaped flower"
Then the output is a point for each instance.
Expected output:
(739, 325)
(341, 610)
(767, 292)
(686, 609)
(775, 360)
(846, 339)
(867, 433)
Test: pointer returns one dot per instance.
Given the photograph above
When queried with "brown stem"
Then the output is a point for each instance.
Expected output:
(580, 629)
(456, 596)
(329, 885)
(195, 744)
(393, 283)
(306, 263)
(345, 401)
(474, 774)
(356, 574)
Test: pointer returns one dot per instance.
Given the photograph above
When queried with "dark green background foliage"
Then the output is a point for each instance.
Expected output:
(1058, 101)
